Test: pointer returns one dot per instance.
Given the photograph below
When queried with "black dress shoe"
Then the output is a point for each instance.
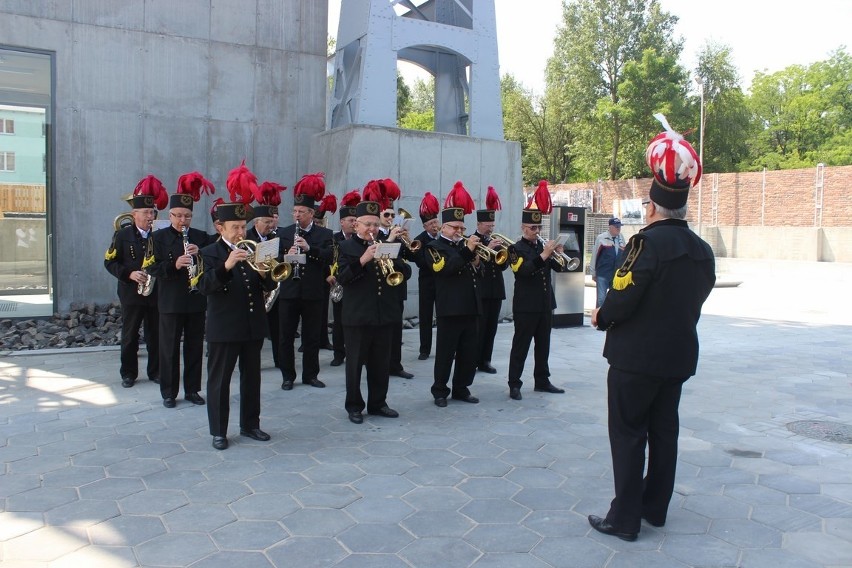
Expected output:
(155, 380)
(315, 383)
(469, 398)
(194, 398)
(255, 434)
(356, 417)
(220, 442)
(169, 402)
(287, 385)
(402, 373)
(653, 523)
(550, 388)
(423, 356)
(603, 526)
(327, 346)
(441, 402)
(337, 361)
(127, 382)
(385, 411)
(487, 368)
(515, 394)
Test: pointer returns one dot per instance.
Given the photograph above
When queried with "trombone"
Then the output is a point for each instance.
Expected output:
(279, 271)
(499, 255)
(412, 245)
(392, 277)
(568, 263)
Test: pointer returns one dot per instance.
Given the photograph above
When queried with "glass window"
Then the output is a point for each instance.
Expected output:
(7, 161)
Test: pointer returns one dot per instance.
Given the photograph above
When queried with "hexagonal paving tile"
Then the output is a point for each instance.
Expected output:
(333, 473)
(41, 499)
(82, 513)
(44, 544)
(332, 496)
(435, 498)
(98, 556)
(112, 488)
(175, 549)
(204, 517)
(152, 502)
(126, 530)
(229, 559)
(502, 538)
(264, 506)
(135, 467)
(494, 511)
(275, 482)
(15, 524)
(375, 538)
(307, 552)
(483, 467)
(383, 486)
(218, 492)
(437, 524)
(379, 510)
(439, 552)
(249, 535)
(317, 522)
(486, 487)
(584, 553)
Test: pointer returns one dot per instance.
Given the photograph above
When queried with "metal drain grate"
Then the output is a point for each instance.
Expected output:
(823, 430)
(8, 306)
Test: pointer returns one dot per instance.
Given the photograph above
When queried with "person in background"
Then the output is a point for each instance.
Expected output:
(650, 317)
(492, 289)
(128, 258)
(532, 260)
(608, 245)
(182, 308)
(327, 205)
(429, 211)
(347, 230)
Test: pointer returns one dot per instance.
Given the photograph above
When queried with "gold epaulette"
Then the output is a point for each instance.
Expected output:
(334, 269)
(515, 260)
(437, 260)
(624, 275)
(149, 260)
(110, 254)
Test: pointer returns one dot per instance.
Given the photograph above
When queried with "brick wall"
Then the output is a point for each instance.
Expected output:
(783, 198)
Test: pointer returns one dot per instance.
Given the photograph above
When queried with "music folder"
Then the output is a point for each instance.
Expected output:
(388, 250)
(266, 250)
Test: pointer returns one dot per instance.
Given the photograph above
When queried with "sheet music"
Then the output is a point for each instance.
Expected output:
(266, 250)
(295, 258)
(388, 250)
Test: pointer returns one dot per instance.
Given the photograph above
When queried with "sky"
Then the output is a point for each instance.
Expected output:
(766, 35)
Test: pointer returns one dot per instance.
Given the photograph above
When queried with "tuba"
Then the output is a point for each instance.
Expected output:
(122, 221)
(412, 245)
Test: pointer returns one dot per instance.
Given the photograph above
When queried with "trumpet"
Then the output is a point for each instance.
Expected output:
(412, 245)
(279, 271)
(568, 263)
(392, 277)
(499, 256)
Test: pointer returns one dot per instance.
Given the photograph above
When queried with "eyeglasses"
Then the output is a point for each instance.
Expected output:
(391, 215)
(646, 202)
(456, 227)
(181, 215)
(533, 227)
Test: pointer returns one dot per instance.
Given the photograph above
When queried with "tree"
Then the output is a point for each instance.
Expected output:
(727, 121)
(593, 46)
(419, 110)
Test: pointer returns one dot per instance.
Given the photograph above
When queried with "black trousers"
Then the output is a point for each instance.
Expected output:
(456, 342)
(273, 320)
(642, 409)
(310, 312)
(426, 306)
(396, 343)
(323, 337)
(191, 325)
(488, 328)
(132, 318)
(337, 337)
(367, 345)
(529, 327)
(221, 360)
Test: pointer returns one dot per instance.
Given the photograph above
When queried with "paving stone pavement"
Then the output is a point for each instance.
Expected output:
(95, 475)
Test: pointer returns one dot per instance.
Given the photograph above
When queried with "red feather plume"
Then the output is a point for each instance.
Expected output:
(219, 201)
(492, 200)
(242, 184)
(269, 193)
(329, 204)
(390, 189)
(351, 199)
(541, 199)
(373, 192)
(459, 197)
(194, 184)
(429, 206)
(312, 185)
(149, 185)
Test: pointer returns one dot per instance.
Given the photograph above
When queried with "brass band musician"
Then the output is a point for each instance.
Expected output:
(492, 287)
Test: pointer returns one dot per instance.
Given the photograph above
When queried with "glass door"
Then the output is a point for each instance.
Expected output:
(25, 165)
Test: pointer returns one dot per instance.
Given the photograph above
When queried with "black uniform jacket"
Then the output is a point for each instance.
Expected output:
(130, 249)
(405, 254)
(367, 298)
(456, 280)
(311, 283)
(173, 284)
(235, 309)
(651, 323)
(424, 263)
(253, 235)
(533, 281)
(491, 284)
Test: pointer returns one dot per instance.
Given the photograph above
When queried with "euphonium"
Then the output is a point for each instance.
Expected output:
(123, 220)
(499, 256)
(568, 263)
(392, 277)
(145, 288)
(279, 271)
(412, 245)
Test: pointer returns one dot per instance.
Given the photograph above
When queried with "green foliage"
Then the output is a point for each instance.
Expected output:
(416, 106)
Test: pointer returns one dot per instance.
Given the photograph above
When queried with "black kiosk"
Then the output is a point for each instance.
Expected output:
(569, 223)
